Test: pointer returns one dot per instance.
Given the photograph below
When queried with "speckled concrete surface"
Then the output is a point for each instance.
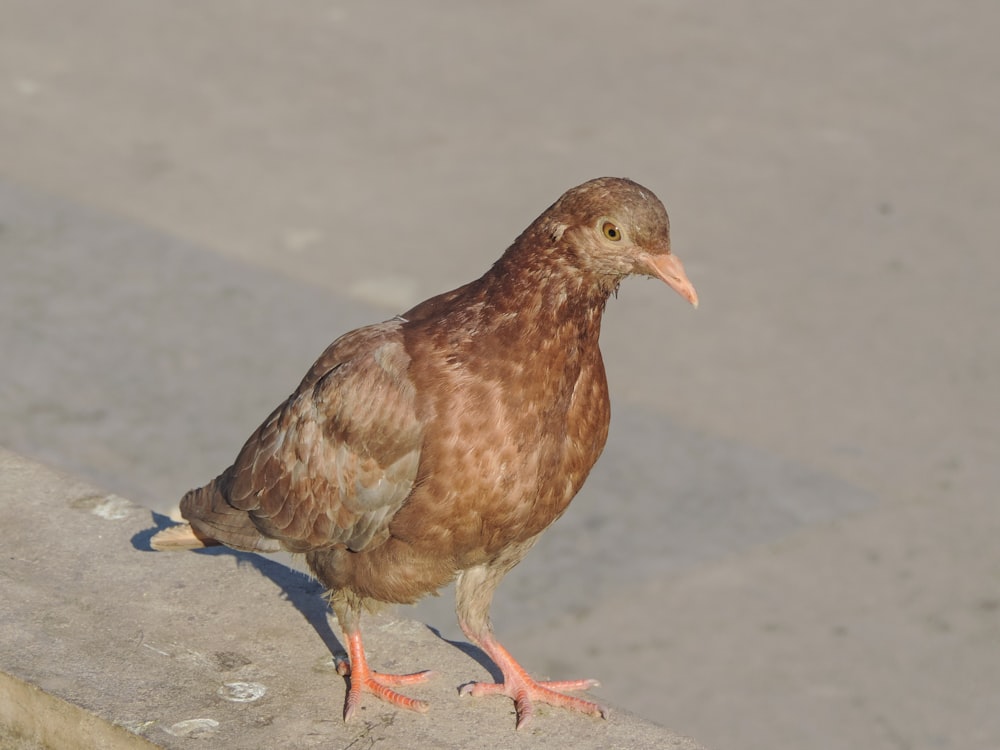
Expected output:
(172, 647)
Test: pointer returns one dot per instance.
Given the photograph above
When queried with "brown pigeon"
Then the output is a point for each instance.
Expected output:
(439, 444)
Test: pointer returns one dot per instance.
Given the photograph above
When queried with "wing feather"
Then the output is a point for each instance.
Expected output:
(335, 462)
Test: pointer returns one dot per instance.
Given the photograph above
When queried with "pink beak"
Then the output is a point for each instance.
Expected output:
(667, 267)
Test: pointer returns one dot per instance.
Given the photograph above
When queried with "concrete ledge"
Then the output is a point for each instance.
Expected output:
(106, 644)
(31, 719)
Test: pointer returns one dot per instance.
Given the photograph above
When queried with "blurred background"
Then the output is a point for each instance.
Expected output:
(791, 540)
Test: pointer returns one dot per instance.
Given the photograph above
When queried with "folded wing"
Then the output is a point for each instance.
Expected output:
(334, 462)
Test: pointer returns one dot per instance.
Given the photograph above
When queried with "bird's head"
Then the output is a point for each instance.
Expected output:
(611, 228)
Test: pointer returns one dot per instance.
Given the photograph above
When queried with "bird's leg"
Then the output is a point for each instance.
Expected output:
(474, 593)
(362, 678)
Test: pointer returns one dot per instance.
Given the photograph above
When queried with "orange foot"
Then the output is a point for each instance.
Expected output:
(365, 680)
(524, 690)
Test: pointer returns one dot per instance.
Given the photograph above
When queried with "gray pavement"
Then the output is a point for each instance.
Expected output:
(790, 541)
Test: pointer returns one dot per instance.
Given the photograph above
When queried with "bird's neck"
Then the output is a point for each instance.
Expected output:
(531, 301)
(545, 293)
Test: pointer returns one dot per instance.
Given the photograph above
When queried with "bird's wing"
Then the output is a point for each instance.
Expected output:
(334, 462)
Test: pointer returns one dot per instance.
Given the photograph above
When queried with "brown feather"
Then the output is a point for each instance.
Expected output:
(444, 441)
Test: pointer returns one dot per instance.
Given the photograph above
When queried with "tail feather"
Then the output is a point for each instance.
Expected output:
(212, 520)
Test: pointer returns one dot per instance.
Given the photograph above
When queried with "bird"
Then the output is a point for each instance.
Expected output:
(438, 445)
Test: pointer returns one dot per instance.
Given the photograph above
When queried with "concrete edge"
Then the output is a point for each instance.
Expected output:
(33, 718)
(107, 644)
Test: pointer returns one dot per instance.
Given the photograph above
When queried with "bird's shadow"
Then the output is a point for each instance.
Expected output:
(473, 652)
(305, 594)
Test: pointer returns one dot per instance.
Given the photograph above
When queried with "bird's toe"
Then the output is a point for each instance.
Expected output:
(526, 692)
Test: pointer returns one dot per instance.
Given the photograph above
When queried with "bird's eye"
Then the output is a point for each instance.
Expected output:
(611, 231)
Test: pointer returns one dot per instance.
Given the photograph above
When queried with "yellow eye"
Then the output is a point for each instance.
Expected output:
(611, 231)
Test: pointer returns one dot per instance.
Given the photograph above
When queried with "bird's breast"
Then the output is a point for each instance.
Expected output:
(509, 442)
